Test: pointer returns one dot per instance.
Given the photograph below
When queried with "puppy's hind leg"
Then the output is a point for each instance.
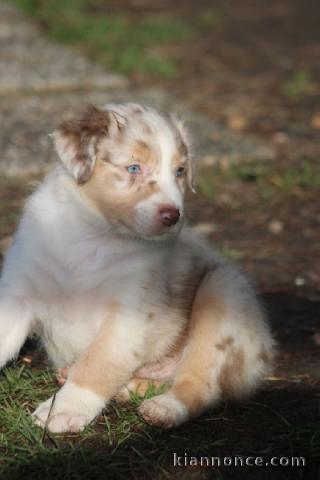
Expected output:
(227, 351)
(15, 324)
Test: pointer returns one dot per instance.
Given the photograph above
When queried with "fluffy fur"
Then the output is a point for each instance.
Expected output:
(102, 270)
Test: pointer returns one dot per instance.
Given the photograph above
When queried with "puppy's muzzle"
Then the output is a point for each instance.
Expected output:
(169, 216)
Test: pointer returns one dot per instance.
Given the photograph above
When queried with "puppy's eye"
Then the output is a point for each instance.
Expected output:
(180, 171)
(134, 169)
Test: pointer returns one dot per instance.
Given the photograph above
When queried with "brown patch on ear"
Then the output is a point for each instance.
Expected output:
(94, 122)
(76, 141)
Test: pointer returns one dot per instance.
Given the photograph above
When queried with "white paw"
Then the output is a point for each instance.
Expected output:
(70, 410)
(60, 417)
(163, 411)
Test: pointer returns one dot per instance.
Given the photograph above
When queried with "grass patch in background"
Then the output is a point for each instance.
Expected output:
(299, 85)
(209, 17)
(120, 42)
(270, 179)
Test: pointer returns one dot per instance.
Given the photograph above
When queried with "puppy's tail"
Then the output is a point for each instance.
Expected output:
(15, 326)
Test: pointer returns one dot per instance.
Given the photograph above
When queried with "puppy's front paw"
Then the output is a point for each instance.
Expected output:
(163, 411)
(70, 410)
(59, 419)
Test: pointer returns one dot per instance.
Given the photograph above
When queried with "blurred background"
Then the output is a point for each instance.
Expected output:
(245, 75)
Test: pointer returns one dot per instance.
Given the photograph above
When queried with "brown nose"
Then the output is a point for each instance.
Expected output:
(169, 216)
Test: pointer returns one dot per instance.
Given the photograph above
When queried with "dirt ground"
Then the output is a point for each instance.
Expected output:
(255, 66)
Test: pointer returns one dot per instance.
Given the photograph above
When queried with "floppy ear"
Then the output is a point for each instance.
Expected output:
(187, 148)
(76, 140)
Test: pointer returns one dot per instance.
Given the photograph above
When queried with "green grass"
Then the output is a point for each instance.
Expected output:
(119, 445)
(114, 446)
(303, 176)
(232, 253)
(27, 447)
(268, 178)
(120, 42)
(299, 85)
(209, 17)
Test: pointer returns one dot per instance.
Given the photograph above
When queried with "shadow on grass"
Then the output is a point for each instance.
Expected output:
(278, 423)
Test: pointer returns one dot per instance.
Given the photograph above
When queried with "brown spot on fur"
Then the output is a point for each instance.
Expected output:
(225, 343)
(232, 371)
(117, 176)
(150, 316)
(143, 153)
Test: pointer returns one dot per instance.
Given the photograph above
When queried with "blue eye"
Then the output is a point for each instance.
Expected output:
(180, 172)
(134, 169)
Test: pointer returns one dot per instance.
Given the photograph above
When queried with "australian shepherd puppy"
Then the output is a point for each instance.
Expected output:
(120, 294)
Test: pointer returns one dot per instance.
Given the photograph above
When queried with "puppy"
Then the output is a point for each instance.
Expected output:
(120, 294)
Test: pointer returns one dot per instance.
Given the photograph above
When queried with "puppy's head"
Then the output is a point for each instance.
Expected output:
(133, 163)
